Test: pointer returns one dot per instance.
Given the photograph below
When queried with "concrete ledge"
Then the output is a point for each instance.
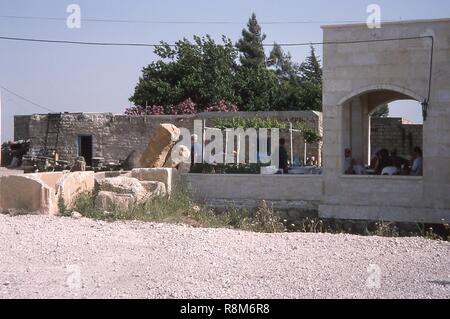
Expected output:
(389, 214)
(255, 187)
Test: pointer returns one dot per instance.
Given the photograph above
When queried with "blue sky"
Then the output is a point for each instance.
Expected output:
(101, 79)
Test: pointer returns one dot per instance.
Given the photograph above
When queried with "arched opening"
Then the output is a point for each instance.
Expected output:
(382, 145)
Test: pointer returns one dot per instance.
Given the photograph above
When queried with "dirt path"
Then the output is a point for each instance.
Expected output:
(51, 257)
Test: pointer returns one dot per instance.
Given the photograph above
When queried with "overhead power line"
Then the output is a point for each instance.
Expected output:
(144, 21)
(172, 45)
(81, 42)
(26, 100)
(425, 103)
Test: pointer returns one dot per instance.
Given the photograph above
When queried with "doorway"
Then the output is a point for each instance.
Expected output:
(85, 148)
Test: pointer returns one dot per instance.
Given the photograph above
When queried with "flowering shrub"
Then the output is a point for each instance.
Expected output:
(185, 107)
(142, 110)
(222, 106)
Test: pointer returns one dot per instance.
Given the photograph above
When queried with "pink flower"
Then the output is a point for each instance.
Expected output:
(222, 106)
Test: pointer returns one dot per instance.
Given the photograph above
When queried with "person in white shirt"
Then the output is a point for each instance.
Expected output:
(417, 164)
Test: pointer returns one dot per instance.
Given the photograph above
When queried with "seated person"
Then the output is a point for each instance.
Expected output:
(402, 164)
(417, 163)
(383, 160)
(348, 162)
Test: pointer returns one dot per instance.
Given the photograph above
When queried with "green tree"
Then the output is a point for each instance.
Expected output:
(311, 69)
(381, 111)
(258, 88)
(282, 62)
(203, 71)
(251, 44)
(311, 82)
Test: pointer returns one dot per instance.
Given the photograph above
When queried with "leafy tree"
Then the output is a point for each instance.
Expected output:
(202, 71)
(251, 44)
(381, 111)
(202, 75)
(258, 88)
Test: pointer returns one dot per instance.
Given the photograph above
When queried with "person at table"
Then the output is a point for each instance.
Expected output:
(348, 162)
(283, 156)
(402, 164)
(417, 162)
(383, 160)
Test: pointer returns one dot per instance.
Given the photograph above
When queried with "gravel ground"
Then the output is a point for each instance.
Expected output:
(52, 257)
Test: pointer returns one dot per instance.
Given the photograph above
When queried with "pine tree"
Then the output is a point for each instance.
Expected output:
(285, 68)
(251, 44)
(311, 69)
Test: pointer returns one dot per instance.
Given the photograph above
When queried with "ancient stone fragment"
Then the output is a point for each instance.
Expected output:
(109, 201)
(124, 185)
(168, 176)
(159, 146)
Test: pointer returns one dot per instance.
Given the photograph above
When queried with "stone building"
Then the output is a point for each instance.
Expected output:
(115, 136)
(363, 69)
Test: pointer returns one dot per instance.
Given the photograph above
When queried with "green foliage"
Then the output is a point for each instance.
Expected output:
(207, 72)
(203, 71)
(251, 45)
(311, 69)
(384, 229)
(266, 220)
(180, 208)
(283, 65)
(258, 89)
(62, 208)
(310, 135)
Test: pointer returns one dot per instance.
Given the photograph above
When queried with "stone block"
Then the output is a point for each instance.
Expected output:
(109, 201)
(124, 185)
(26, 193)
(159, 146)
(71, 185)
(168, 176)
(154, 188)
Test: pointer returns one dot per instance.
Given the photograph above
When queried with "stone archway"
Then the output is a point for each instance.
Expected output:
(363, 69)
(356, 109)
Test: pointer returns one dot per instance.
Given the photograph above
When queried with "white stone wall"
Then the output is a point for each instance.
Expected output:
(359, 77)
